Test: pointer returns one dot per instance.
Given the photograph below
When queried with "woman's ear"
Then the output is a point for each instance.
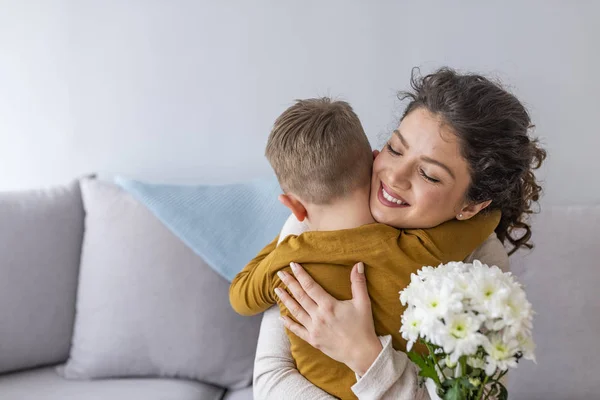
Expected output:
(375, 154)
(295, 206)
(471, 210)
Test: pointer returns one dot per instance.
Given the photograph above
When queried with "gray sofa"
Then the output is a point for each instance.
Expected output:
(59, 246)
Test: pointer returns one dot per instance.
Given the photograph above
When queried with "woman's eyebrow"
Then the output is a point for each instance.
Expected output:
(399, 135)
(439, 164)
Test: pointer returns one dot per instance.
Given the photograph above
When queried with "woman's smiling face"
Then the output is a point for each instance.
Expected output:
(420, 178)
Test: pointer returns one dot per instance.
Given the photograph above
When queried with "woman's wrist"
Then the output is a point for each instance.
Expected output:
(365, 355)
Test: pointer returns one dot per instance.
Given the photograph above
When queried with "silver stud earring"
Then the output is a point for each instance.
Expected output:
(460, 216)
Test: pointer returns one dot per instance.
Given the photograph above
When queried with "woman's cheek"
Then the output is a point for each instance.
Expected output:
(435, 200)
(384, 160)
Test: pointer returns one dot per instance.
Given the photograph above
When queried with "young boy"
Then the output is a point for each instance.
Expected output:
(323, 160)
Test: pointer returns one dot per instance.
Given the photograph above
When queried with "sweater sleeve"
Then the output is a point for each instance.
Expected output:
(250, 291)
(391, 376)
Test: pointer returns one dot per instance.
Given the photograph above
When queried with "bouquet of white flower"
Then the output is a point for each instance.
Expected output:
(476, 323)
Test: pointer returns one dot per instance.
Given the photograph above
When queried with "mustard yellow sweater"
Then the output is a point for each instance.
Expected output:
(390, 257)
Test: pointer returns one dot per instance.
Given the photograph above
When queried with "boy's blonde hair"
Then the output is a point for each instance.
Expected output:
(319, 150)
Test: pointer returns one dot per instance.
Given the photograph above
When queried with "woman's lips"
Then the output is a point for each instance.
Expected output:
(387, 202)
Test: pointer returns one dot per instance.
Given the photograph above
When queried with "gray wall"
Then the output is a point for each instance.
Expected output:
(186, 91)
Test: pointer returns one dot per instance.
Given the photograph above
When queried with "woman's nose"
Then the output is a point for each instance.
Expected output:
(400, 178)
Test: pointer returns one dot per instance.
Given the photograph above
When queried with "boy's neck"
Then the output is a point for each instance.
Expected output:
(347, 213)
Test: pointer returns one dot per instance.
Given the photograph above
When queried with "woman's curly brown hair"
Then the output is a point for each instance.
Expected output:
(493, 128)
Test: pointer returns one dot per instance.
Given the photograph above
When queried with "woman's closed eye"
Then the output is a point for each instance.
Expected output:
(395, 153)
(391, 150)
(427, 177)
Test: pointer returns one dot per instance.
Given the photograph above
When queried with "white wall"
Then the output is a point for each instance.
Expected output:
(186, 90)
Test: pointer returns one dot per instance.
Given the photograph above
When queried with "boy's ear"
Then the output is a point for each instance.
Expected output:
(295, 206)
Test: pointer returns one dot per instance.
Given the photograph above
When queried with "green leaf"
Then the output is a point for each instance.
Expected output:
(464, 382)
(503, 392)
(429, 372)
(427, 368)
(424, 363)
(455, 393)
(417, 359)
(448, 383)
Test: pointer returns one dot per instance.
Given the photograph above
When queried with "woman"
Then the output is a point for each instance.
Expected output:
(462, 146)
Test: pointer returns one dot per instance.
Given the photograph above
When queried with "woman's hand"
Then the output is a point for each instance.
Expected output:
(343, 330)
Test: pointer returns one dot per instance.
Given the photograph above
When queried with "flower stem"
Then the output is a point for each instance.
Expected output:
(495, 380)
(501, 375)
(480, 393)
(430, 349)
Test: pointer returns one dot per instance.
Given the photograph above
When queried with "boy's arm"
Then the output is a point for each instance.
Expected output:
(453, 240)
(250, 292)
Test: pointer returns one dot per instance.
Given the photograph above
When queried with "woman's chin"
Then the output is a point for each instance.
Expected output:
(396, 217)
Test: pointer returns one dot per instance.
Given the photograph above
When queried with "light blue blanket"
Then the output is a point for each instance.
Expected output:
(226, 225)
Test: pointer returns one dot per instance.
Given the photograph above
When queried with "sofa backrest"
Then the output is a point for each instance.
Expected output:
(562, 279)
(40, 246)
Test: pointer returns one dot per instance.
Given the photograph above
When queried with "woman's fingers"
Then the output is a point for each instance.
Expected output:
(293, 307)
(296, 328)
(358, 281)
(299, 294)
(312, 288)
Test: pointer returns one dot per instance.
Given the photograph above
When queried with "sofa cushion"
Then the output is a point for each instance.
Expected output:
(46, 384)
(147, 305)
(562, 280)
(240, 394)
(40, 247)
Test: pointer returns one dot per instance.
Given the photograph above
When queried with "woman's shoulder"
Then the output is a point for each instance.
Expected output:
(491, 252)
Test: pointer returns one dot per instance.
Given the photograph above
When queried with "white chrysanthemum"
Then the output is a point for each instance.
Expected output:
(411, 326)
(476, 362)
(412, 290)
(518, 312)
(462, 283)
(488, 290)
(432, 330)
(500, 354)
(527, 346)
(438, 300)
(463, 307)
(427, 271)
(461, 336)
